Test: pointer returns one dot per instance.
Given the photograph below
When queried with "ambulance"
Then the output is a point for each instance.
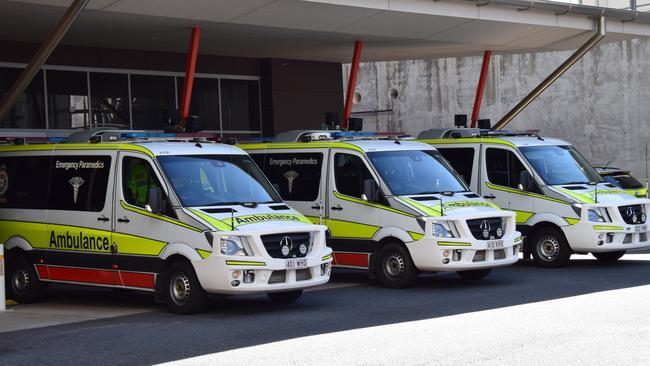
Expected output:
(563, 205)
(179, 217)
(395, 208)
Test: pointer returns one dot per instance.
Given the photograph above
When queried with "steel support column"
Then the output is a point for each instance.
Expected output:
(352, 83)
(43, 53)
(480, 87)
(577, 55)
(189, 74)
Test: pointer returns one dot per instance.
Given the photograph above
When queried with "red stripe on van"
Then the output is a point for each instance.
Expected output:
(42, 272)
(351, 259)
(82, 275)
(132, 279)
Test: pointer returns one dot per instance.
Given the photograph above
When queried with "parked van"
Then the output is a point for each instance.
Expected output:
(181, 219)
(563, 205)
(393, 207)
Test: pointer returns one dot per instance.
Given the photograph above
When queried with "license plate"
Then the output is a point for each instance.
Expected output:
(494, 244)
(640, 228)
(297, 263)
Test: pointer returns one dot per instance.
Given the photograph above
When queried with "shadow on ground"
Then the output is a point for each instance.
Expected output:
(236, 322)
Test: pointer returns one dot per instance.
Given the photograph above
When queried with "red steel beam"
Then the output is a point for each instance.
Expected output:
(480, 87)
(352, 83)
(189, 74)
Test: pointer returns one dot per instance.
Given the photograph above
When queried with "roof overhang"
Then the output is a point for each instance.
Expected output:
(324, 30)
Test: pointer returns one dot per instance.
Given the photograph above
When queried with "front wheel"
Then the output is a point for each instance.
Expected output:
(474, 275)
(550, 248)
(183, 292)
(284, 297)
(22, 281)
(395, 267)
(609, 257)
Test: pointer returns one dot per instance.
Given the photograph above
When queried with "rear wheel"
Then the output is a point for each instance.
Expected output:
(22, 281)
(395, 269)
(183, 292)
(609, 257)
(550, 248)
(474, 275)
(285, 297)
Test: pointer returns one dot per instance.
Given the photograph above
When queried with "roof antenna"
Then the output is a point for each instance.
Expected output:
(232, 219)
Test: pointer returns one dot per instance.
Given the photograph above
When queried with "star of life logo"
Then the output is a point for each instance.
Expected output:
(76, 182)
(291, 176)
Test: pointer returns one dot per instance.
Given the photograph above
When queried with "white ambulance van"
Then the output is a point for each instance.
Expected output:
(392, 207)
(155, 213)
(563, 205)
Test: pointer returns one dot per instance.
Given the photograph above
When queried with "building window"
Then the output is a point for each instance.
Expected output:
(110, 96)
(240, 105)
(29, 107)
(204, 102)
(152, 101)
(67, 99)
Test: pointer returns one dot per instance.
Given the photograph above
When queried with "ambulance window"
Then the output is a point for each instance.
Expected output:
(79, 182)
(349, 174)
(461, 159)
(24, 181)
(503, 167)
(138, 177)
(295, 176)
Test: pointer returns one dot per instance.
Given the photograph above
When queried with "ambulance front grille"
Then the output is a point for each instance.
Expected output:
(488, 224)
(632, 214)
(274, 243)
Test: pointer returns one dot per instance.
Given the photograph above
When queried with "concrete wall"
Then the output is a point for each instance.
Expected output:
(601, 105)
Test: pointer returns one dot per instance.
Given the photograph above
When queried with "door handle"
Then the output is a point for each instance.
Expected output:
(317, 207)
(337, 208)
(103, 218)
(490, 196)
(125, 220)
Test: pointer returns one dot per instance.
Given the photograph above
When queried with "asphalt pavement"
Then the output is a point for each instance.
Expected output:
(517, 314)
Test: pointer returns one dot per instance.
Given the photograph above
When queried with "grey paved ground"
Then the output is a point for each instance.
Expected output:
(472, 320)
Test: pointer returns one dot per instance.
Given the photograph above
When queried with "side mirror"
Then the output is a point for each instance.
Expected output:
(370, 191)
(526, 182)
(155, 202)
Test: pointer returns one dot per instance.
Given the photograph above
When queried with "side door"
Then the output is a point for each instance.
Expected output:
(502, 176)
(352, 221)
(140, 234)
(80, 217)
(298, 177)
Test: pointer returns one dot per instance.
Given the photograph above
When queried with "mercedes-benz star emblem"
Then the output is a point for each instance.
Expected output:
(485, 228)
(286, 244)
(631, 214)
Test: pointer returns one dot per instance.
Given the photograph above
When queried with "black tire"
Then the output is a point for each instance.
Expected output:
(22, 283)
(609, 257)
(183, 292)
(284, 297)
(395, 268)
(475, 274)
(550, 248)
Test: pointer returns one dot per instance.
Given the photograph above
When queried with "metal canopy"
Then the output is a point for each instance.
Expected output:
(324, 30)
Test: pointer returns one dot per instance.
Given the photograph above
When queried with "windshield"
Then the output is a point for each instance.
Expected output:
(211, 180)
(416, 172)
(560, 165)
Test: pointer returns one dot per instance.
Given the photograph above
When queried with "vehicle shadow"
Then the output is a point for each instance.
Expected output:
(353, 302)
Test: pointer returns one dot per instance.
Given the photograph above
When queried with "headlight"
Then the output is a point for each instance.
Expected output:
(443, 230)
(577, 208)
(595, 215)
(234, 245)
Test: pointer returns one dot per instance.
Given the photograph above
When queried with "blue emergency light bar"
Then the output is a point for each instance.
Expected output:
(135, 135)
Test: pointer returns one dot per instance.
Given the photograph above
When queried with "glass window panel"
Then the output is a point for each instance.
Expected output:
(29, 110)
(110, 96)
(67, 99)
(153, 101)
(204, 102)
(240, 105)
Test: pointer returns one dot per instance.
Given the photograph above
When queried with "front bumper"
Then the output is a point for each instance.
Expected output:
(598, 237)
(221, 274)
(464, 253)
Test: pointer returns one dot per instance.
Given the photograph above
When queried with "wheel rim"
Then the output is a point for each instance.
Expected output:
(179, 288)
(394, 265)
(21, 281)
(548, 248)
